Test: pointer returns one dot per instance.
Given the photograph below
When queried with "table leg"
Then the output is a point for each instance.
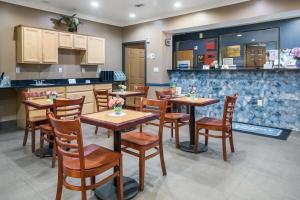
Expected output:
(188, 146)
(109, 190)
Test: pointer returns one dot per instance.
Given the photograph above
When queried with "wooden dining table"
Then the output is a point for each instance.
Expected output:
(188, 146)
(42, 104)
(108, 119)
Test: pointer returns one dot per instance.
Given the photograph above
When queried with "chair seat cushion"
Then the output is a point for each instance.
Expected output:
(213, 122)
(142, 139)
(177, 116)
(46, 128)
(94, 157)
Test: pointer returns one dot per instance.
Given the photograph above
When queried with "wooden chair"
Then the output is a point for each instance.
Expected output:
(78, 161)
(224, 125)
(102, 99)
(137, 100)
(175, 119)
(63, 109)
(143, 141)
(33, 122)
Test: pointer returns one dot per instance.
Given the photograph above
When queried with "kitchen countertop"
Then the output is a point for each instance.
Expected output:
(237, 69)
(22, 84)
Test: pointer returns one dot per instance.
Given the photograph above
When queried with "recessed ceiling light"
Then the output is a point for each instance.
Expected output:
(95, 4)
(132, 15)
(239, 35)
(177, 4)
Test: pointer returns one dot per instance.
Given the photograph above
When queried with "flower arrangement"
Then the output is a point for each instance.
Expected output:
(172, 85)
(117, 104)
(295, 52)
(52, 95)
(214, 64)
(192, 91)
(122, 88)
(173, 88)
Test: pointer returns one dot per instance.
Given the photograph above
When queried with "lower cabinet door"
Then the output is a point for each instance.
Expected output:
(88, 108)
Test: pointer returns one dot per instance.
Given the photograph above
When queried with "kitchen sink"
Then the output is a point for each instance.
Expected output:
(42, 84)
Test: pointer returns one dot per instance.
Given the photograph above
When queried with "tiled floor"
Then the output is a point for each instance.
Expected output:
(261, 169)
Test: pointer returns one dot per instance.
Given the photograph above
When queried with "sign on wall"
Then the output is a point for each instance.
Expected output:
(231, 51)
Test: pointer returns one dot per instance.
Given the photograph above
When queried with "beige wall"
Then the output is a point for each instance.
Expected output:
(12, 15)
(154, 31)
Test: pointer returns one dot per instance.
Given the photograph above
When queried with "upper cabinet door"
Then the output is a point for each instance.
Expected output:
(50, 46)
(80, 42)
(96, 50)
(32, 45)
(66, 40)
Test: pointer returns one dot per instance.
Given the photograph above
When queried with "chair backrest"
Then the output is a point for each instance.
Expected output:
(163, 94)
(68, 136)
(140, 88)
(32, 95)
(229, 105)
(102, 99)
(155, 106)
(68, 108)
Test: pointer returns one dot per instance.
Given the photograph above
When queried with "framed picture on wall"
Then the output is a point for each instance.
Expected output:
(200, 59)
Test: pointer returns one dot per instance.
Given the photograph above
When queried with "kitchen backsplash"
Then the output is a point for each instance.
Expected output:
(34, 71)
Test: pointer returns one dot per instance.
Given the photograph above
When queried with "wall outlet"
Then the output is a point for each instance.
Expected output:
(18, 70)
(155, 69)
(260, 102)
(60, 70)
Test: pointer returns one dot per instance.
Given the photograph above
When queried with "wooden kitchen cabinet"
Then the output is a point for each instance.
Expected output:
(76, 92)
(66, 40)
(95, 53)
(80, 42)
(29, 45)
(50, 46)
(40, 46)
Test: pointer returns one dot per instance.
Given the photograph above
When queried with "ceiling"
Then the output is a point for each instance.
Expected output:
(116, 12)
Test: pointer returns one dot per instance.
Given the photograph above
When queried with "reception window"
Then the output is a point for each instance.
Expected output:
(191, 54)
(250, 49)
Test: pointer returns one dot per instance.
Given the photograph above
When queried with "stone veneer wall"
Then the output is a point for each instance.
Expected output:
(280, 91)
